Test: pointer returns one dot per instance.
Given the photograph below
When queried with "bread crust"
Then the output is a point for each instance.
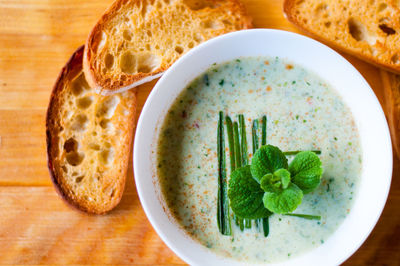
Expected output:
(289, 10)
(103, 85)
(72, 68)
(391, 86)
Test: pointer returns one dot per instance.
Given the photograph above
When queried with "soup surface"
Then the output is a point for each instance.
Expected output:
(304, 113)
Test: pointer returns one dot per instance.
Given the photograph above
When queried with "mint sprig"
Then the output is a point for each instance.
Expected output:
(271, 185)
(267, 160)
(284, 201)
(306, 170)
(246, 195)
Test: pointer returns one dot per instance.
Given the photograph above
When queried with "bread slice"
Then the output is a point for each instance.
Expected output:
(368, 29)
(137, 40)
(391, 86)
(88, 140)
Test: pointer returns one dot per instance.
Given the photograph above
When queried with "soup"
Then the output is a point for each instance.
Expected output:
(303, 112)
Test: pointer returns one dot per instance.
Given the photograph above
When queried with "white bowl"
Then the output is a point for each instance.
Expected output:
(314, 56)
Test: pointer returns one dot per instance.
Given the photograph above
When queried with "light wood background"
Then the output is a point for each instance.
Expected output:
(36, 39)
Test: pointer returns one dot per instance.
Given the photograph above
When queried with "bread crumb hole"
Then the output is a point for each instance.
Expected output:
(148, 62)
(79, 85)
(70, 145)
(386, 29)
(107, 108)
(148, 47)
(65, 169)
(110, 191)
(226, 22)
(80, 122)
(395, 59)
(79, 179)
(321, 8)
(179, 49)
(211, 24)
(149, 33)
(359, 32)
(327, 24)
(85, 102)
(128, 63)
(127, 35)
(106, 156)
(190, 45)
(74, 158)
(109, 61)
(382, 6)
(94, 146)
(94, 133)
(106, 124)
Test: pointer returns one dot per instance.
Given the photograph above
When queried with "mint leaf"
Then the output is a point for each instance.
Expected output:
(275, 182)
(246, 195)
(284, 201)
(267, 160)
(306, 170)
(284, 176)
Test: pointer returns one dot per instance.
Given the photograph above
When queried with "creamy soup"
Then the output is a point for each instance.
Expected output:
(304, 113)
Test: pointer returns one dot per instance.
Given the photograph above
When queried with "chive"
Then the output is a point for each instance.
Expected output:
(238, 156)
(238, 162)
(224, 223)
(243, 140)
(265, 223)
(241, 223)
(236, 219)
(254, 137)
(247, 223)
(296, 152)
(264, 131)
(305, 216)
(254, 131)
(255, 143)
(229, 130)
(243, 150)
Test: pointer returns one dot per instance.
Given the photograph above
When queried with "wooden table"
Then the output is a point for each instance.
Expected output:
(36, 39)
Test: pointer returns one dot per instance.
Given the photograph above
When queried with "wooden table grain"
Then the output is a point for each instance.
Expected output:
(36, 227)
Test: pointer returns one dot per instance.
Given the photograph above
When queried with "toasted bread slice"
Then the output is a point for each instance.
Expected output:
(391, 86)
(88, 140)
(137, 40)
(367, 29)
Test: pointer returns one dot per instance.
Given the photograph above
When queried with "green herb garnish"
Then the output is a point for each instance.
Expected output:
(243, 150)
(305, 216)
(306, 170)
(269, 185)
(281, 185)
(246, 195)
(267, 160)
(224, 223)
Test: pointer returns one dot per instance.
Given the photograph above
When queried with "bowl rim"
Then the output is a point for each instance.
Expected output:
(140, 135)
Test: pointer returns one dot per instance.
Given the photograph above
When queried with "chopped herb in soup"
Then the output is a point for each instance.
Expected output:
(272, 104)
